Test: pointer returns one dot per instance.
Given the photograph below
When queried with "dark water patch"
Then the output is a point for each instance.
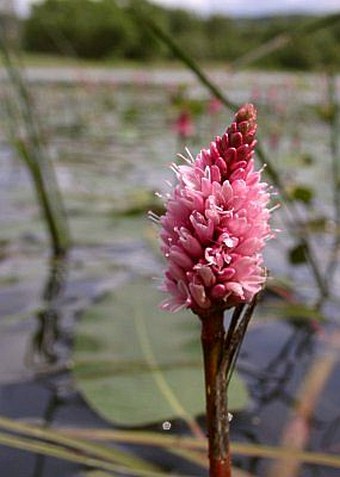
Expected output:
(18, 299)
(275, 361)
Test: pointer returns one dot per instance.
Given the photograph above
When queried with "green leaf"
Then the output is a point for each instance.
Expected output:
(296, 312)
(297, 255)
(316, 224)
(302, 193)
(326, 112)
(306, 159)
(133, 362)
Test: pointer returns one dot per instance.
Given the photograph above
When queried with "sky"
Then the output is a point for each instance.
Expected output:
(237, 7)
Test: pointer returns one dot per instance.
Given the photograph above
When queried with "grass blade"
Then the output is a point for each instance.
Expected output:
(87, 448)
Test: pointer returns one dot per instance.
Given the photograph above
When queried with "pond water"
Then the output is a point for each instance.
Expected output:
(111, 136)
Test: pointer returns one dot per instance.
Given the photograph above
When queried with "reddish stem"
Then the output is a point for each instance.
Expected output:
(212, 337)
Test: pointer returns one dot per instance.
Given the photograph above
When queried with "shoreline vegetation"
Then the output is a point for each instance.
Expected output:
(43, 60)
(108, 33)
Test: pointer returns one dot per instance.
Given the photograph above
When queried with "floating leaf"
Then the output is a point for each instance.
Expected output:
(317, 224)
(139, 202)
(306, 159)
(281, 287)
(140, 369)
(131, 114)
(302, 193)
(326, 112)
(296, 312)
(297, 254)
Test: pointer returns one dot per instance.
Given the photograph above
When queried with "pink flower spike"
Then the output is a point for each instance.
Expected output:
(217, 223)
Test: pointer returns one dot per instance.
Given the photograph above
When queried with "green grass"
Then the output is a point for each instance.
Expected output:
(49, 60)
(55, 61)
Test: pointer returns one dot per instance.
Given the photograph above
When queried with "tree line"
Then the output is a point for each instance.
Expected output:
(111, 29)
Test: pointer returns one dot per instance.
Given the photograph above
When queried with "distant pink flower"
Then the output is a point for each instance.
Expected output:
(184, 125)
(216, 224)
(214, 106)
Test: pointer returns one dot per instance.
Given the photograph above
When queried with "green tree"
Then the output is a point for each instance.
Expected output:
(89, 29)
(112, 28)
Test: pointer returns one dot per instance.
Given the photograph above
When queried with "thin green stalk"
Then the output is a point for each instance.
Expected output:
(186, 59)
(160, 380)
(31, 151)
(196, 457)
(79, 442)
(76, 444)
(64, 454)
(47, 199)
(283, 39)
(156, 439)
(233, 344)
(148, 438)
(335, 155)
(167, 441)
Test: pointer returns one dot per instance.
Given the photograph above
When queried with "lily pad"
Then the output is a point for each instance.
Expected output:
(143, 367)
(302, 193)
(292, 311)
(297, 254)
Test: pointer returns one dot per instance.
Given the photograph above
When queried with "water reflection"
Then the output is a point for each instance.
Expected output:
(45, 339)
(38, 468)
(292, 380)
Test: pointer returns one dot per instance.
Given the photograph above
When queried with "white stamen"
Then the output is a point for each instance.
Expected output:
(175, 169)
(186, 159)
(277, 206)
(191, 157)
(153, 217)
(151, 213)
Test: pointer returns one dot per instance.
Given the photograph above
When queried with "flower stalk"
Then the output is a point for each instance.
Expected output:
(220, 349)
(213, 340)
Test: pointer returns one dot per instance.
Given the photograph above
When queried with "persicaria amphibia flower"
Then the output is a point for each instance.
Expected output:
(216, 223)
